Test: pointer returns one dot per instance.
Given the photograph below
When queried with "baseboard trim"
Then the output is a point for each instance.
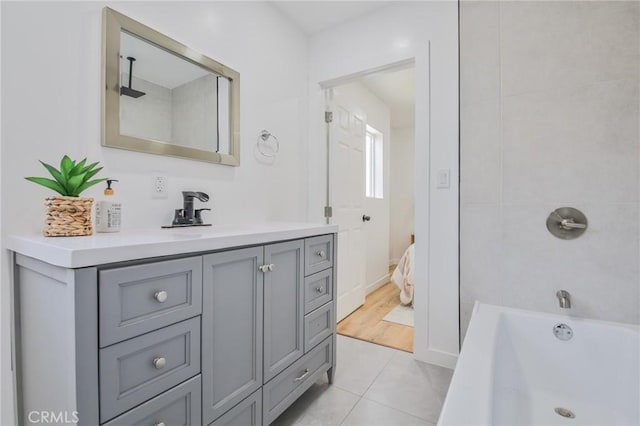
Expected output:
(443, 359)
(377, 284)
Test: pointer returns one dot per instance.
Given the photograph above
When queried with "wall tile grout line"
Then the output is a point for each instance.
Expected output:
(563, 134)
(580, 86)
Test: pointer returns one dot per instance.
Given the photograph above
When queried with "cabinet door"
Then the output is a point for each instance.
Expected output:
(247, 413)
(283, 306)
(231, 329)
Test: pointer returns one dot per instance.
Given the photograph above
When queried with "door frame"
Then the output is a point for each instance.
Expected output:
(436, 299)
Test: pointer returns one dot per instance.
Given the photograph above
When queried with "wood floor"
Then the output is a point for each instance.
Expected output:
(366, 322)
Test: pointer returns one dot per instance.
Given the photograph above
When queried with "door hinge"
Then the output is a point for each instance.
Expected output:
(328, 211)
(328, 117)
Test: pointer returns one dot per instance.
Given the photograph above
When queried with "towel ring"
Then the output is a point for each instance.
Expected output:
(263, 138)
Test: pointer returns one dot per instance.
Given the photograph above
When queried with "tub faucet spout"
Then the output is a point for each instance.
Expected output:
(564, 298)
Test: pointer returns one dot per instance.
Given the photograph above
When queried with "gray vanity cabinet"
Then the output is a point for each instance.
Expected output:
(231, 329)
(178, 406)
(230, 337)
(126, 308)
(283, 306)
(253, 299)
(247, 413)
(133, 371)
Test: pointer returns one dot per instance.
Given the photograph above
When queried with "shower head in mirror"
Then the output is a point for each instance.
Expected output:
(130, 91)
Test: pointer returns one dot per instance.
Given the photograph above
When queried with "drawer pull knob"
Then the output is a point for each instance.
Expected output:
(161, 296)
(321, 253)
(319, 289)
(271, 267)
(263, 268)
(159, 362)
(305, 374)
(159, 424)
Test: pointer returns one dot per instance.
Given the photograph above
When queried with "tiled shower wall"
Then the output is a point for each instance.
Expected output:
(550, 118)
(149, 116)
(195, 110)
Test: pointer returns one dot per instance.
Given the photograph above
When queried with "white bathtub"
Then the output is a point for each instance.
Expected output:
(513, 371)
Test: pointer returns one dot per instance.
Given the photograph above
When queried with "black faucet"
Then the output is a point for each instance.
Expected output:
(187, 216)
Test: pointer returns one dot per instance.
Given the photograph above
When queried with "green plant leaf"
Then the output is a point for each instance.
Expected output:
(48, 183)
(88, 185)
(90, 166)
(91, 174)
(65, 166)
(74, 183)
(55, 173)
(72, 178)
(77, 168)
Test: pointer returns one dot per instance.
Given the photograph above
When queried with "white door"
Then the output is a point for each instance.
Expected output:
(347, 191)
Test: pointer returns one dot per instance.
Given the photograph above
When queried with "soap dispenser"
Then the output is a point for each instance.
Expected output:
(108, 211)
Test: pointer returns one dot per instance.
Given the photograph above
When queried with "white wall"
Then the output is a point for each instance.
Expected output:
(51, 67)
(402, 191)
(66, 108)
(6, 393)
(377, 230)
(426, 32)
(550, 118)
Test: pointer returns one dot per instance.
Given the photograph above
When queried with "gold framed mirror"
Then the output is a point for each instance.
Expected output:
(162, 97)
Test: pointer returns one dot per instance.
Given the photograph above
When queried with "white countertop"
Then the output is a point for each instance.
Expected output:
(98, 249)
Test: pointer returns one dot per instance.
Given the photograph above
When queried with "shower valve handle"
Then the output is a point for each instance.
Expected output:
(570, 224)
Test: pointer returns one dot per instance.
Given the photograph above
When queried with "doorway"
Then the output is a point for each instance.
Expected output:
(371, 181)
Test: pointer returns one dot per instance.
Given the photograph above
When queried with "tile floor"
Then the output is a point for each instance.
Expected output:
(374, 386)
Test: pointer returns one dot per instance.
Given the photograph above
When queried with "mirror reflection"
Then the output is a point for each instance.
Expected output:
(169, 100)
(162, 97)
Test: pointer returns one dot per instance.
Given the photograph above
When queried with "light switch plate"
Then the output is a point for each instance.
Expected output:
(443, 179)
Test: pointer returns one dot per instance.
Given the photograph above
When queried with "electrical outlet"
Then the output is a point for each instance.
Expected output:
(159, 188)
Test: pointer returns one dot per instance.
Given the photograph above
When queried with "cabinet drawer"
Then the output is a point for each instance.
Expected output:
(286, 387)
(318, 254)
(318, 325)
(246, 413)
(177, 406)
(142, 298)
(136, 370)
(318, 290)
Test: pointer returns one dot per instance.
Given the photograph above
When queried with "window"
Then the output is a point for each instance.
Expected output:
(373, 163)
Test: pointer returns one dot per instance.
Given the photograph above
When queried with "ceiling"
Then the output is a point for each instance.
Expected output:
(315, 16)
(157, 65)
(397, 89)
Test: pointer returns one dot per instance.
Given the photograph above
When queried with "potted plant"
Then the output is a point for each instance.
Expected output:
(69, 214)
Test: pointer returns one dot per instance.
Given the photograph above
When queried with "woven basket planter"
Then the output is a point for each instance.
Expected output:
(68, 216)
